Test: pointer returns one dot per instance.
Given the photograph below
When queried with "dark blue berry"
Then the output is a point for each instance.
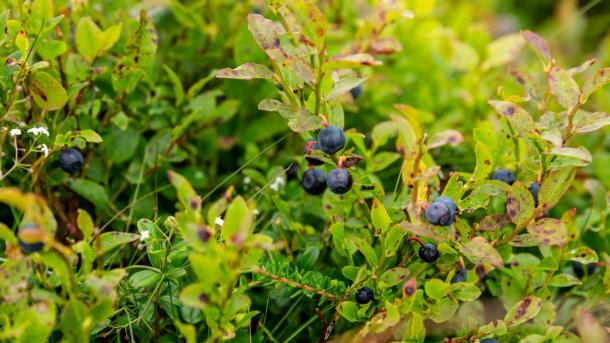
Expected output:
(71, 160)
(490, 340)
(449, 202)
(580, 270)
(331, 139)
(29, 248)
(293, 171)
(312, 146)
(339, 181)
(314, 181)
(439, 214)
(364, 295)
(460, 276)
(535, 189)
(356, 91)
(428, 252)
(504, 175)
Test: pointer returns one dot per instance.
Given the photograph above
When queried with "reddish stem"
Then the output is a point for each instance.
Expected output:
(415, 238)
(308, 146)
(324, 120)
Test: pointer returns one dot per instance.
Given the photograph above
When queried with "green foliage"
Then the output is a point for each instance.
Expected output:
(188, 221)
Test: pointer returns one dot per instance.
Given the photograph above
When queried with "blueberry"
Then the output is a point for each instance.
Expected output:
(29, 248)
(579, 269)
(504, 175)
(29, 238)
(449, 202)
(489, 340)
(312, 146)
(364, 295)
(331, 139)
(428, 252)
(535, 189)
(71, 160)
(460, 276)
(314, 181)
(439, 214)
(339, 181)
(293, 171)
(356, 91)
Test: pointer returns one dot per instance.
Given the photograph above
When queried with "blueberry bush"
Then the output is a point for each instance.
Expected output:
(301, 171)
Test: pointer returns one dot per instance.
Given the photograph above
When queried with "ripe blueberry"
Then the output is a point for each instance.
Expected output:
(489, 340)
(71, 160)
(311, 145)
(460, 276)
(314, 181)
(331, 139)
(356, 91)
(29, 248)
(534, 189)
(579, 269)
(449, 202)
(29, 238)
(339, 181)
(504, 175)
(439, 214)
(364, 295)
(428, 252)
(293, 171)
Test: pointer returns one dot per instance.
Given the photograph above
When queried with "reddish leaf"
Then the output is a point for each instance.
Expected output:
(539, 44)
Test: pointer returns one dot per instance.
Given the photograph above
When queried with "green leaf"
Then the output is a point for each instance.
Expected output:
(114, 239)
(549, 231)
(392, 240)
(90, 136)
(144, 279)
(585, 122)
(351, 61)
(523, 311)
(349, 310)
(305, 121)
(478, 252)
(564, 280)
(176, 83)
(186, 194)
(555, 185)
(48, 92)
(436, 288)
(237, 221)
(595, 82)
(483, 163)
(519, 118)
(246, 71)
(538, 44)
(7, 234)
(439, 139)
(87, 34)
(366, 250)
(443, 310)
(393, 277)
(312, 20)
(563, 87)
(91, 191)
(496, 328)
(344, 85)
(85, 224)
(503, 50)
(519, 204)
(380, 218)
(266, 35)
(580, 153)
(465, 291)
(584, 255)
(108, 38)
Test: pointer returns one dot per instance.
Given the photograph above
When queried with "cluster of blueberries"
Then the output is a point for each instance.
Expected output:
(331, 139)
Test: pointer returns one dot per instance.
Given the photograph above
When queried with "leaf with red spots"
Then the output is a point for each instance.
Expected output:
(555, 185)
(392, 277)
(186, 194)
(351, 61)
(584, 255)
(426, 230)
(478, 252)
(385, 46)
(563, 87)
(590, 121)
(305, 121)
(484, 163)
(519, 118)
(538, 44)
(549, 231)
(523, 311)
(525, 240)
(266, 35)
(519, 204)
(439, 139)
(493, 222)
(312, 20)
(247, 71)
(595, 82)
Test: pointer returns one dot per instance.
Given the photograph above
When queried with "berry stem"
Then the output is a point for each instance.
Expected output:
(308, 146)
(415, 238)
(324, 120)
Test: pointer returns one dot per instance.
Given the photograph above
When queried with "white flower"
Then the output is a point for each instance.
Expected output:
(277, 183)
(14, 132)
(247, 180)
(144, 235)
(219, 221)
(44, 149)
(39, 130)
(256, 212)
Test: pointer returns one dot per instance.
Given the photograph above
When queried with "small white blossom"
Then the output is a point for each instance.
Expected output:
(277, 183)
(144, 235)
(39, 130)
(14, 132)
(256, 212)
(44, 149)
(219, 221)
(247, 180)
